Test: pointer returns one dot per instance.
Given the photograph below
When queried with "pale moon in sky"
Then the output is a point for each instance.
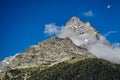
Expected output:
(108, 6)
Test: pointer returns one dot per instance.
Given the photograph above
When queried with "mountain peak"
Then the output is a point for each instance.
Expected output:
(74, 21)
(81, 32)
(87, 24)
(75, 18)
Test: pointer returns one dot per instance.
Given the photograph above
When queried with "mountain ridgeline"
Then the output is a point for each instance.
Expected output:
(48, 53)
(66, 57)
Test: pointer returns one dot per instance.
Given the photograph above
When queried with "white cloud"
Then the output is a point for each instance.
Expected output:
(99, 48)
(76, 37)
(88, 14)
(106, 52)
(52, 29)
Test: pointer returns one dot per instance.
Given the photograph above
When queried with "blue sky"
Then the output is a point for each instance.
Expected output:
(22, 22)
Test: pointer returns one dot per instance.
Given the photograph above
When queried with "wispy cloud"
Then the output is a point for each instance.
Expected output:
(88, 13)
(110, 32)
(52, 29)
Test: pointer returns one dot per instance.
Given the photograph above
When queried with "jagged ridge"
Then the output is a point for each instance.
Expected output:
(49, 52)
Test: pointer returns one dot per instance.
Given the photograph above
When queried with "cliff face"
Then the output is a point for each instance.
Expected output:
(49, 52)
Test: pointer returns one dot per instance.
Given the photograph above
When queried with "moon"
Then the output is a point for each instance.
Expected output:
(108, 6)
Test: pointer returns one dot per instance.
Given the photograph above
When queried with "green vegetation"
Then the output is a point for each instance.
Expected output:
(74, 69)
(74, 60)
(21, 74)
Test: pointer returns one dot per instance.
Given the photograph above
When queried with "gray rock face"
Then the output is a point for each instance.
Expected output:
(5, 62)
(78, 26)
(48, 53)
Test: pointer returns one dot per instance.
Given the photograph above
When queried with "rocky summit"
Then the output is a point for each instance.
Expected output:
(81, 33)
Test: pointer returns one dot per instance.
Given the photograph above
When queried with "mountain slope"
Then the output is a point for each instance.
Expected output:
(88, 69)
(48, 53)
(6, 62)
(74, 69)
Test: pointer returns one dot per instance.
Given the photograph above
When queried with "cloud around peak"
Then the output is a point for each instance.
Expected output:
(99, 48)
(52, 29)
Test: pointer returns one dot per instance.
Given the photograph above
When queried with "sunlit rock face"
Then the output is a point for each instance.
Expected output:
(49, 52)
(6, 62)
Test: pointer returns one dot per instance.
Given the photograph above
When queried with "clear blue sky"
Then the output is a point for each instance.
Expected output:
(22, 21)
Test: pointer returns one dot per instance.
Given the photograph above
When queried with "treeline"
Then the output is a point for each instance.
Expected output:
(88, 69)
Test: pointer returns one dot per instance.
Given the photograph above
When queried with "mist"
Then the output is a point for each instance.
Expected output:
(106, 52)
